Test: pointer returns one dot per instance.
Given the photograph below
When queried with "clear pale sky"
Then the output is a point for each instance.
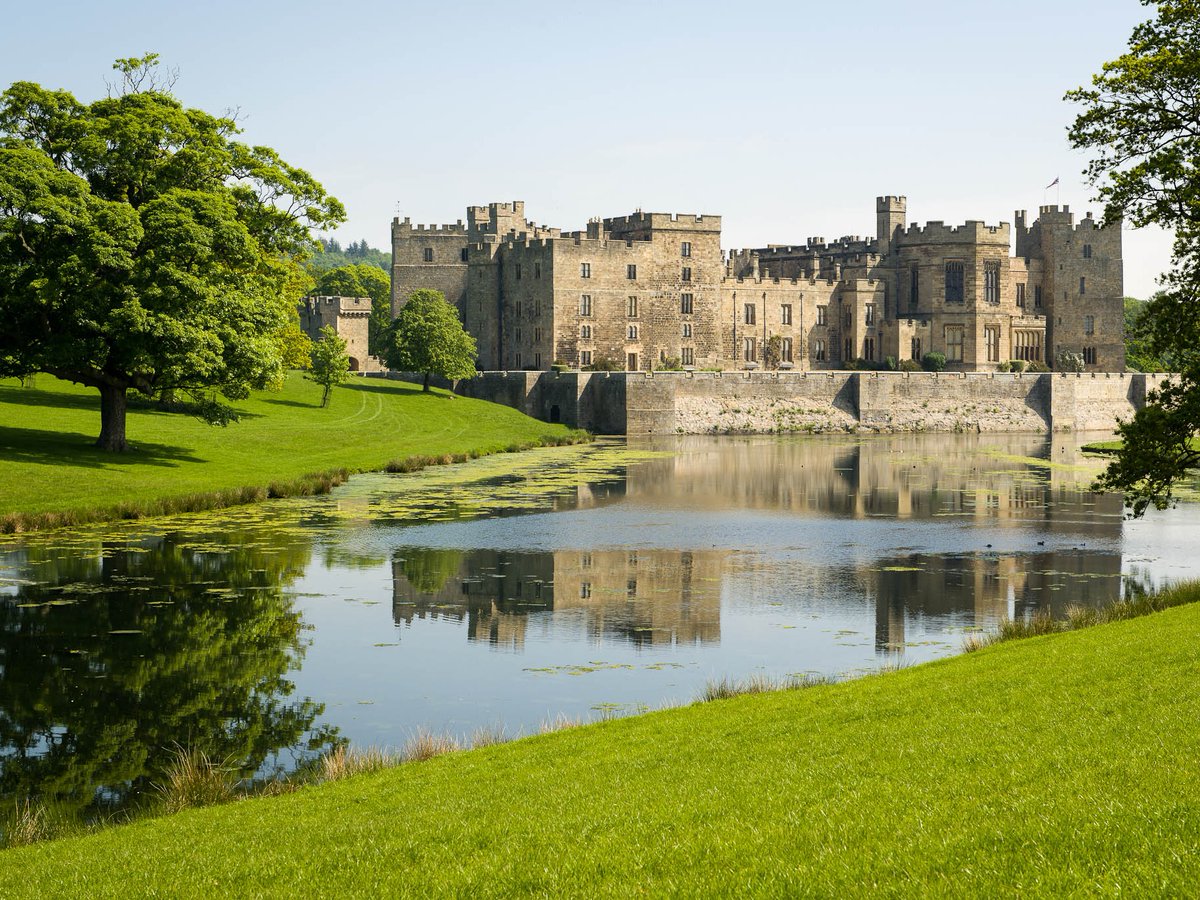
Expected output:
(786, 118)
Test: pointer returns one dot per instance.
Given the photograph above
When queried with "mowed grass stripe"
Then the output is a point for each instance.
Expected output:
(48, 463)
(1046, 767)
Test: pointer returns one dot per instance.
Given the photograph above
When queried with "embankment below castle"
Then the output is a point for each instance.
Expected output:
(818, 402)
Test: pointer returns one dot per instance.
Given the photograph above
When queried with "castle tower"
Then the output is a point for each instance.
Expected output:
(890, 214)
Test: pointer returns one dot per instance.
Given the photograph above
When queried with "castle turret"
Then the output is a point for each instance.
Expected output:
(890, 214)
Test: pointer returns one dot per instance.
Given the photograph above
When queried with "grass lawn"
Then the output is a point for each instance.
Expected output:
(48, 463)
(1050, 766)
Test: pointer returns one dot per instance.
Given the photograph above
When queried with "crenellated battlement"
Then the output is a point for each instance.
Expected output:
(969, 232)
(405, 226)
(663, 221)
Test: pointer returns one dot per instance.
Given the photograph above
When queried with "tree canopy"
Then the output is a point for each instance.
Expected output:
(142, 247)
(361, 280)
(1141, 120)
(333, 255)
(427, 336)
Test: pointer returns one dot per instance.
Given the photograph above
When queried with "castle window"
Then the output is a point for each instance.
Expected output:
(1087, 251)
(1089, 356)
(585, 270)
(847, 349)
(428, 254)
(518, 359)
(1037, 296)
(954, 343)
(991, 282)
(537, 360)
(518, 334)
(1082, 286)
(631, 272)
(785, 350)
(585, 305)
(785, 314)
(517, 272)
(585, 332)
(822, 315)
(464, 254)
(537, 309)
(585, 358)
(537, 270)
(687, 329)
(688, 356)
(1089, 324)
(1021, 295)
(819, 350)
(748, 314)
(685, 249)
(685, 304)
(537, 335)
(1027, 345)
(914, 287)
(916, 348)
(633, 307)
(991, 337)
(954, 282)
(517, 307)
(870, 308)
(868, 348)
(686, 274)
(585, 590)
(633, 333)
(631, 363)
(750, 349)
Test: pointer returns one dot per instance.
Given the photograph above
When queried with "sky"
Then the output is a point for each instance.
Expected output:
(785, 118)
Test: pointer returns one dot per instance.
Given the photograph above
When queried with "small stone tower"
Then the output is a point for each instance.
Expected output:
(890, 214)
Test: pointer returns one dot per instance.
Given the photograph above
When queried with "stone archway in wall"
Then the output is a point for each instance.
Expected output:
(354, 366)
(555, 414)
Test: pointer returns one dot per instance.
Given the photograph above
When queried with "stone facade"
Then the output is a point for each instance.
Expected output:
(349, 317)
(654, 290)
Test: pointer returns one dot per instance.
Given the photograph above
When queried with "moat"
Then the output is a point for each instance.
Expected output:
(579, 582)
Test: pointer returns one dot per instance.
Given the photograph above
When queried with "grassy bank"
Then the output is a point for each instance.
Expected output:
(1055, 765)
(286, 444)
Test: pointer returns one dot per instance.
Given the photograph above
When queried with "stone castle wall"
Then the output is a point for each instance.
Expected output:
(819, 402)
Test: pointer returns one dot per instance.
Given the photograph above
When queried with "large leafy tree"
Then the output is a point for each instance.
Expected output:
(142, 247)
(427, 336)
(1141, 120)
(361, 280)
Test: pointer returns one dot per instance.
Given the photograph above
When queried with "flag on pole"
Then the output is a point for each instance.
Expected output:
(1052, 184)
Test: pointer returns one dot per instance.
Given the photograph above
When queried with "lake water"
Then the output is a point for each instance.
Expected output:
(576, 582)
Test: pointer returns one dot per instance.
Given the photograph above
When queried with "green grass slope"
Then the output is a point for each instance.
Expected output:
(48, 463)
(1061, 765)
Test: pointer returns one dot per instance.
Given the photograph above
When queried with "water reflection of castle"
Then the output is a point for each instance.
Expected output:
(644, 597)
(668, 597)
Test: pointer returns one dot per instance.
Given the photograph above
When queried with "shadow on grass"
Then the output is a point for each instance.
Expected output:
(381, 386)
(62, 448)
(33, 397)
(298, 404)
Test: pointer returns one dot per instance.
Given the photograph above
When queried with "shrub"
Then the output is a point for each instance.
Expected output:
(1004, 367)
(604, 364)
(889, 363)
(909, 365)
(1036, 366)
(1016, 365)
(670, 364)
(1069, 361)
(934, 361)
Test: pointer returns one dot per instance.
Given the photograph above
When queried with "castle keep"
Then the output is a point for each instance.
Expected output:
(654, 290)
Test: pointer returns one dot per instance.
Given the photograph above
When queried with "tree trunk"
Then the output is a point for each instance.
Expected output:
(113, 405)
(426, 388)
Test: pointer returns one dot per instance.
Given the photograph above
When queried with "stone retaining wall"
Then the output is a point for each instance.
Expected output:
(818, 402)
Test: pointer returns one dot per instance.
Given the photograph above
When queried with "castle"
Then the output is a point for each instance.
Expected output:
(654, 290)
(349, 317)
